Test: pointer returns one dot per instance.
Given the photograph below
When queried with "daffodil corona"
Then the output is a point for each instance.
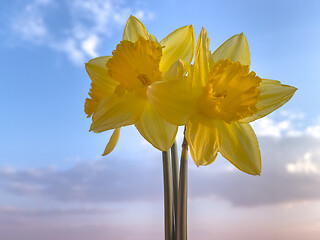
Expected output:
(118, 94)
(231, 92)
(217, 101)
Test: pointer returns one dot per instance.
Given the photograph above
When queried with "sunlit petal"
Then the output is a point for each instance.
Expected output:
(98, 72)
(203, 141)
(178, 69)
(173, 99)
(102, 84)
(153, 38)
(239, 145)
(133, 29)
(201, 69)
(235, 48)
(177, 45)
(115, 111)
(112, 142)
(155, 129)
(273, 95)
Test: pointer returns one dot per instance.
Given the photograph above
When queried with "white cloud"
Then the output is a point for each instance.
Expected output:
(306, 166)
(292, 115)
(290, 125)
(30, 23)
(290, 174)
(268, 127)
(90, 22)
(90, 45)
(69, 46)
(144, 15)
(314, 131)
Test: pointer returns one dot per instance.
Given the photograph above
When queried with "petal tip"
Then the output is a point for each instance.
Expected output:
(258, 173)
(132, 17)
(92, 128)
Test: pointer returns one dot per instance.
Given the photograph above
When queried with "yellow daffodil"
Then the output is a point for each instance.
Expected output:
(120, 82)
(217, 101)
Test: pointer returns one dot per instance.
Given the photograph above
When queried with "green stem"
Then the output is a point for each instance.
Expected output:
(183, 193)
(168, 196)
(175, 173)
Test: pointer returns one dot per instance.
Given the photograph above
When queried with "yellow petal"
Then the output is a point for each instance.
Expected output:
(203, 141)
(153, 38)
(177, 70)
(273, 95)
(155, 129)
(98, 72)
(115, 111)
(173, 98)
(112, 142)
(201, 69)
(177, 45)
(235, 48)
(133, 29)
(239, 145)
(102, 84)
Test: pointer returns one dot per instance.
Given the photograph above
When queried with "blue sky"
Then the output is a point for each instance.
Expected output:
(51, 166)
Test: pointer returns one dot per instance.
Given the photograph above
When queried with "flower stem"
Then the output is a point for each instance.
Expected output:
(183, 193)
(175, 173)
(168, 196)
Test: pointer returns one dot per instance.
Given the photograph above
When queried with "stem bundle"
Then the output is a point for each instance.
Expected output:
(175, 193)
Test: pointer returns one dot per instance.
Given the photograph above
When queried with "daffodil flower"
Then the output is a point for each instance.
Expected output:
(217, 101)
(118, 94)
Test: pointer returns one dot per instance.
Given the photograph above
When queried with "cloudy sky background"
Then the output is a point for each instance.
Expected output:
(55, 185)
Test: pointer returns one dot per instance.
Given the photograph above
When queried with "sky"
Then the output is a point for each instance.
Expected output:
(54, 183)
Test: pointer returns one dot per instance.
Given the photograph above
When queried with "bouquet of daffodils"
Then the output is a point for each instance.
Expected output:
(154, 86)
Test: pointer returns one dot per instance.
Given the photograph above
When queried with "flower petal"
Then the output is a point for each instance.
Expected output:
(98, 72)
(133, 29)
(153, 38)
(115, 111)
(177, 45)
(239, 145)
(177, 70)
(155, 129)
(273, 95)
(201, 68)
(112, 142)
(235, 48)
(173, 98)
(203, 141)
(102, 84)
